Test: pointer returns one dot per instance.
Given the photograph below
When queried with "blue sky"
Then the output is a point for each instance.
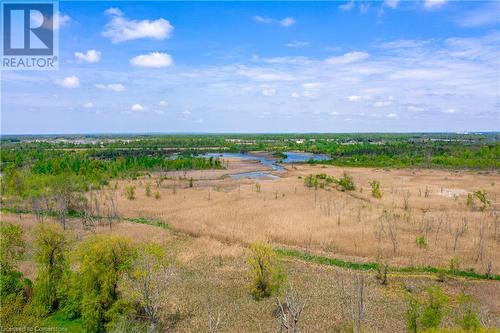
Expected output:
(390, 66)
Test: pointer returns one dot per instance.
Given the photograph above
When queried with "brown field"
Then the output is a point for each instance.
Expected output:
(210, 269)
(213, 221)
(351, 225)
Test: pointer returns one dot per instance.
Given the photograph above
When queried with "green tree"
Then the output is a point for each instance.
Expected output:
(50, 246)
(265, 270)
(434, 308)
(102, 261)
(149, 281)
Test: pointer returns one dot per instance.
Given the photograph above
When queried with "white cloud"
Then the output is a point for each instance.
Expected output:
(311, 85)
(159, 112)
(347, 58)
(391, 115)
(347, 6)
(259, 74)
(364, 7)
(295, 94)
(137, 108)
(391, 3)
(381, 104)
(269, 92)
(287, 21)
(334, 113)
(413, 108)
(484, 16)
(297, 43)
(117, 87)
(186, 112)
(69, 82)
(310, 93)
(88, 105)
(120, 28)
(356, 98)
(91, 56)
(450, 111)
(419, 74)
(152, 60)
(263, 19)
(56, 22)
(199, 121)
(430, 4)
(163, 103)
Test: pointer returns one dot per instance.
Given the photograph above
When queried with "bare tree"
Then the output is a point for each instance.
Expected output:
(150, 282)
(459, 232)
(214, 316)
(480, 241)
(289, 312)
(352, 295)
(393, 235)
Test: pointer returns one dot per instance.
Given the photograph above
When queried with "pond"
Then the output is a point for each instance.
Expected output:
(292, 157)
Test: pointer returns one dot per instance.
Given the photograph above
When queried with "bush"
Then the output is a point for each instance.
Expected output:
(421, 242)
(434, 308)
(157, 195)
(468, 319)
(148, 189)
(346, 183)
(265, 271)
(375, 185)
(130, 192)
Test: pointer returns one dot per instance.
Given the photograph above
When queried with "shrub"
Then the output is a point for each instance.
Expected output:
(382, 270)
(421, 242)
(481, 197)
(130, 192)
(346, 183)
(412, 313)
(265, 271)
(148, 189)
(468, 319)
(157, 195)
(375, 185)
(434, 308)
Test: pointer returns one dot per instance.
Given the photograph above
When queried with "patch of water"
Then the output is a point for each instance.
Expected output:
(292, 157)
(254, 175)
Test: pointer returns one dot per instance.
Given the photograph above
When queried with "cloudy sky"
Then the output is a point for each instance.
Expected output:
(387, 66)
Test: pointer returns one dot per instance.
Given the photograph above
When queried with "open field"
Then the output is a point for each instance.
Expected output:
(87, 230)
(212, 270)
(354, 225)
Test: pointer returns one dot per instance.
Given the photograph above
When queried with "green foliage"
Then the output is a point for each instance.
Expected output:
(346, 183)
(412, 314)
(468, 310)
(434, 308)
(421, 241)
(102, 261)
(157, 195)
(12, 246)
(50, 246)
(15, 291)
(265, 271)
(375, 185)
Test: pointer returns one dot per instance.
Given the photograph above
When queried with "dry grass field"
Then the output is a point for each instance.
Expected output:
(353, 225)
(211, 271)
